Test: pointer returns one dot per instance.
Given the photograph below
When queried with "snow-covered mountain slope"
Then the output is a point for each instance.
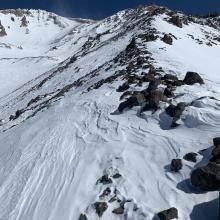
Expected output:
(60, 147)
(29, 39)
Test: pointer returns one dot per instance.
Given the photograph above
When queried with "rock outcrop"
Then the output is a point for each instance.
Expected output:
(206, 178)
(168, 214)
(176, 165)
(193, 78)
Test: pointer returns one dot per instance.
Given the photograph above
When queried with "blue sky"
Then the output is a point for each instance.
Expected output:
(98, 9)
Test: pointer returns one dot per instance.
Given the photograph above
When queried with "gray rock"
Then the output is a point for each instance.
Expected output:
(192, 78)
(168, 214)
(83, 217)
(190, 157)
(175, 20)
(216, 141)
(105, 180)
(100, 208)
(106, 192)
(116, 176)
(206, 178)
(176, 165)
(118, 211)
(167, 39)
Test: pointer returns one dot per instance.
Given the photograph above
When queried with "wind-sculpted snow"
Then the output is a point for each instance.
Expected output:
(61, 148)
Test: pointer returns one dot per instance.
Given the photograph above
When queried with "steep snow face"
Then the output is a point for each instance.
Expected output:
(58, 138)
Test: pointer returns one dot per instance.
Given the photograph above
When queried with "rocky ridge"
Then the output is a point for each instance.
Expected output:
(110, 62)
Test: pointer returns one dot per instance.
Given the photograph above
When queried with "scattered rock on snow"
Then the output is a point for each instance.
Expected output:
(105, 180)
(24, 22)
(150, 37)
(168, 214)
(2, 30)
(168, 93)
(175, 20)
(100, 208)
(192, 78)
(175, 112)
(113, 199)
(17, 114)
(116, 176)
(190, 157)
(123, 87)
(167, 39)
(206, 178)
(132, 45)
(118, 211)
(106, 192)
(153, 85)
(176, 165)
(83, 217)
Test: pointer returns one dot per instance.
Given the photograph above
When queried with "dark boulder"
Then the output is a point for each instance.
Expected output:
(170, 110)
(118, 211)
(175, 20)
(2, 30)
(216, 151)
(125, 86)
(177, 83)
(105, 180)
(168, 93)
(100, 208)
(167, 39)
(152, 70)
(24, 22)
(190, 157)
(106, 192)
(116, 176)
(176, 111)
(153, 85)
(155, 97)
(17, 114)
(153, 100)
(216, 141)
(168, 214)
(176, 165)
(132, 45)
(215, 159)
(12, 117)
(148, 78)
(206, 178)
(170, 77)
(191, 78)
(83, 217)
(150, 37)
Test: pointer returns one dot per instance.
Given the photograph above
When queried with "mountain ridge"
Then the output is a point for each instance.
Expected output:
(64, 156)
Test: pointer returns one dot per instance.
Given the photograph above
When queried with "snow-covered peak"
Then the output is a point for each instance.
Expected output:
(30, 29)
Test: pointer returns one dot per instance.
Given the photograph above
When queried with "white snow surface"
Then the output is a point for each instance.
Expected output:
(50, 160)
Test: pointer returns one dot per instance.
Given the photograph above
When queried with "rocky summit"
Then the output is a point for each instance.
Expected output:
(109, 119)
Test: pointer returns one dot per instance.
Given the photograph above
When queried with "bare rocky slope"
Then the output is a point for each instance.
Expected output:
(67, 153)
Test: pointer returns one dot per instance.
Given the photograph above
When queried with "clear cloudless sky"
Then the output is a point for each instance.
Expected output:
(98, 9)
